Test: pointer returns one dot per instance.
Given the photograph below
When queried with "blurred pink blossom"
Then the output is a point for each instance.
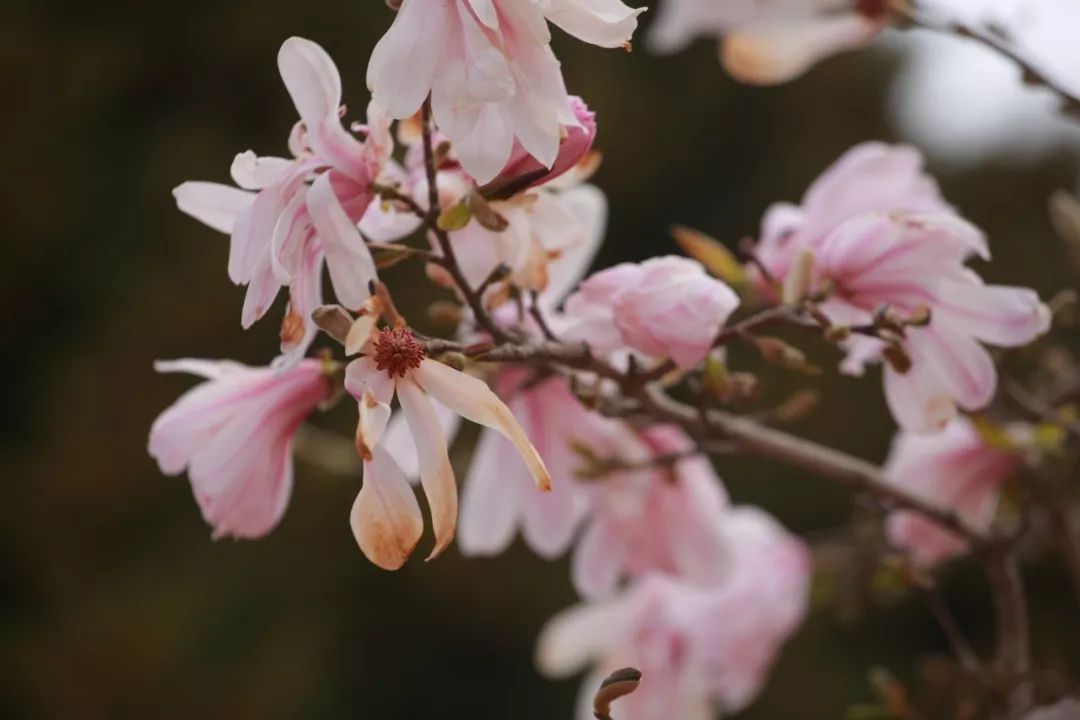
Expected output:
(664, 519)
(702, 648)
(880, 235)
(487, 65)
(765, 42)
(234, 435)
(666, 307)
(287, 216)
(955, 469)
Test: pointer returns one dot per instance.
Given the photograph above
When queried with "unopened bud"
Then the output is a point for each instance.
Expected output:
(714, 377)
(485, 214)
(919, 317)
(445, 312)
(778, 352)
(798, 406)
(897, 357)
(837, 333)
(798, 280)
(333, 320)
(455, 360)
(614, 686)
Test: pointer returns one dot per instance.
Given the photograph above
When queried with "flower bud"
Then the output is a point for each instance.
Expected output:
(523, 171)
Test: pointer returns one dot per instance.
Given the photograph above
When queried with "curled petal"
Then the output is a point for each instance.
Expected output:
(361, 375)
(385, 517)
(374, 416)
(436, 474)
(474, 400)
(607, 23)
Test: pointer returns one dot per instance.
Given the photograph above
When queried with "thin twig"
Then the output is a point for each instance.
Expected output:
(1032, 75)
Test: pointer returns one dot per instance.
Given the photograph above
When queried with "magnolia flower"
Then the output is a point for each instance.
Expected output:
(234, 435)
(290, 215)
(955, 469)
(878, 234)
(652, 519)
(765, 42)
(554, 221)
(385, 518)
(489, 70)
(700, 647)
(663, 307)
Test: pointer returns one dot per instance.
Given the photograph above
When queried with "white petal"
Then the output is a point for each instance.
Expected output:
(352, 268)
(475, 401)
(213, 204)
(436, 474)
(607, 23)
(385, 518)
(405, 60)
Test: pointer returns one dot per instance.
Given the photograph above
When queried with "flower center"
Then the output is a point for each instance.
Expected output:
(397, 351)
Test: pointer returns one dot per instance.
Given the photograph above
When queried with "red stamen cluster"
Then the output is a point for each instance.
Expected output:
(397, 351)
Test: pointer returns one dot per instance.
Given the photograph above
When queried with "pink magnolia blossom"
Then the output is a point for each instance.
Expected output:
(386, 518)
(766, 42)
(288, 216)
(499, 494)
(652, 519)
(663, 307)
(879, 235)
(954, 469)
(555, 223)
(702, 648)
(233, 434)
(489, 70)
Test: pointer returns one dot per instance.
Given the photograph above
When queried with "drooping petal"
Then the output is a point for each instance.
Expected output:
(385, 518)
(252, 172)
(576, 636)
(598, 560)
(474, 400)
(213, 204)
(352, 268)
(436, 474)
(995, 314)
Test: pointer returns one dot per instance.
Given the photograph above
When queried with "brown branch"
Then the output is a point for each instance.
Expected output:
(1013, 654)
(996, 41)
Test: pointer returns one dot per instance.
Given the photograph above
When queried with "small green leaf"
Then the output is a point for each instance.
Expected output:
(454, 217)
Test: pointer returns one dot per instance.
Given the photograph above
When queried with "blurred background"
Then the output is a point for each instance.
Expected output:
(115, 603)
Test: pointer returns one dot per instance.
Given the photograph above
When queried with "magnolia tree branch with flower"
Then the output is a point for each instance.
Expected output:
(603, 397)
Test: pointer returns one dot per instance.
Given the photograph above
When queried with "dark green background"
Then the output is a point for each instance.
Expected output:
(115, 603)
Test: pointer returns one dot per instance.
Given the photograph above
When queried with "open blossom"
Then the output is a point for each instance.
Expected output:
(488, 67)
(955, 469)
(766, 42)
(234, 435)
(880, 235)
(555, 221)
(666, 519)
(288, 216)
(666, 307)
(700, 647)
(385, 518)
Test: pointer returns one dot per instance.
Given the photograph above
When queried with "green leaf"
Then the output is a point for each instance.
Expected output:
(454, 217)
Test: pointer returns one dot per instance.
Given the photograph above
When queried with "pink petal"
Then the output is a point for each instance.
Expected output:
(598, 560)
(492, 498)
(406, 59)
(385, 517)
(352, 268)
(213, 204)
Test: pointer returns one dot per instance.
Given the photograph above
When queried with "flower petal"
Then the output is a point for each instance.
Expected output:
(490, 505)
(436, 474)
(403, 64)
(213, 204)
(474, 400)
(352, 268)
(385, 518)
